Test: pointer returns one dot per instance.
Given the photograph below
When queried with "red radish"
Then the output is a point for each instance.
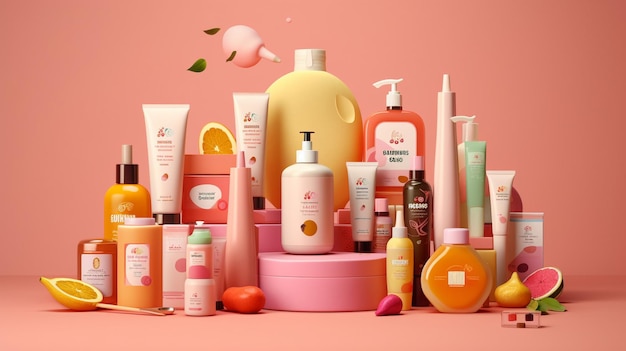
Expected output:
(390, 304)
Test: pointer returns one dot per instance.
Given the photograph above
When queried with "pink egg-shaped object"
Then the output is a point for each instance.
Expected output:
(248, 45)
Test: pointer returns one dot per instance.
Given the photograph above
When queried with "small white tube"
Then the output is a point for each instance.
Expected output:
(251, 127)
(362, 186)
(500, 185)
(166, 126)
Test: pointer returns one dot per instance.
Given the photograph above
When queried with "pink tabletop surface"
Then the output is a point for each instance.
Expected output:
(32, 320)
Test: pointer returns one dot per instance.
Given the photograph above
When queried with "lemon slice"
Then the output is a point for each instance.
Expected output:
(216, 138)
(72, 293)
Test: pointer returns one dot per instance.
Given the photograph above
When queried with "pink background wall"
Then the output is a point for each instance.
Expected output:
(546, 79)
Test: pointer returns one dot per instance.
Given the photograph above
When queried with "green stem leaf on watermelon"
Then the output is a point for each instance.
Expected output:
(546, 304)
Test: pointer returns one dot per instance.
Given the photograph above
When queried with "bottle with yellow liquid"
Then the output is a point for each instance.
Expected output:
(455, 278)
(310, 98)
(126, 198)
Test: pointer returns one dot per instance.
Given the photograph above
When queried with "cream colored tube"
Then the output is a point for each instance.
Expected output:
(362, 185)
(166, 126)
(251, 127)
(500, 185)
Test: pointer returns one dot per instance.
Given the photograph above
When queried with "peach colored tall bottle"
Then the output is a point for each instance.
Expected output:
(139, 263)
(241, 251)
(126, 198)
(455, 278)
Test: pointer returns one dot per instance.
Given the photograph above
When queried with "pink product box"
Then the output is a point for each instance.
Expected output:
(333, 282)
(174, 267)
(525, 243)
(205, 188)
(206, 183)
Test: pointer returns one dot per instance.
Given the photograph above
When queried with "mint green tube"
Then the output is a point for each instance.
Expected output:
(475, 157)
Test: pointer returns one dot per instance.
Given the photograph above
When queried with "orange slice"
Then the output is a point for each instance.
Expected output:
(72, 293)
(216, 138)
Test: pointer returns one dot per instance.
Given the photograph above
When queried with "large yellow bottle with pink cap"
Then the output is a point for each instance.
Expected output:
(309, 98)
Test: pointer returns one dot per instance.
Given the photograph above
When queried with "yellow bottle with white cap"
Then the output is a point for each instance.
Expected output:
(310, 98)
(393, 138)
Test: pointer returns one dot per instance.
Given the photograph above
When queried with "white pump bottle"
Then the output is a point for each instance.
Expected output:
(307, 197)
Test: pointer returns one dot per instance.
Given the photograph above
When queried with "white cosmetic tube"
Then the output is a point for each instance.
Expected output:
(475, 157)
(362, 186)
(166, 126)
(251, 127)
(500, 186)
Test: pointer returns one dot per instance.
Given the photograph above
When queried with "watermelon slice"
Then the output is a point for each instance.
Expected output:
(545, 282)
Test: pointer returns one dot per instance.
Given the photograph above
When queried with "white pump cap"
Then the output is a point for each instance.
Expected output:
(309, 60)
(394, 98)
(399, 230)
(307, 154)
(470, 129)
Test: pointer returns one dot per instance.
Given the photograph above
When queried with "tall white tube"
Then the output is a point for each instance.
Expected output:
(166, 126)
(446, 208)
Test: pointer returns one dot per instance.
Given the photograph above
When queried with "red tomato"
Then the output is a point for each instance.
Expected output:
(243, 299)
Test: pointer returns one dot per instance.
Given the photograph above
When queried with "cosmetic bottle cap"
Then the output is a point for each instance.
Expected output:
(469, 129)
(139, 221)
(167, 218)
(381, 205)
(399, 230)
(418, 163)
(362, 246)
(307, 154)
(310, 60)
(127, 172)
(394, 98)
(458, 236)
(201, 234)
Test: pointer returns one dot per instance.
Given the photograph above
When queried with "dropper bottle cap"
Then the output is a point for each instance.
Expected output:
(394, 98)
(399, 230)
(307, 154)
(127, 172)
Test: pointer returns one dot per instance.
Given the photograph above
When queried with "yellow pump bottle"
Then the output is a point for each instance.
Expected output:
(309, 98)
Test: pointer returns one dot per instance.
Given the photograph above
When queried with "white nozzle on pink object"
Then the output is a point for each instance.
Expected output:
(241, 159)
(445, 86)
(247, 44)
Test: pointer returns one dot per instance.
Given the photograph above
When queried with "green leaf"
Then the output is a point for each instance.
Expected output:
(533, 305)
(551, 304)
(232, 56)
(198, 66)
(212, 31)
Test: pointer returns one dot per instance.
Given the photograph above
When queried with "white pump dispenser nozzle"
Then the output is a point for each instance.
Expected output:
(470, 129)
(306, 154)
(394, 98)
